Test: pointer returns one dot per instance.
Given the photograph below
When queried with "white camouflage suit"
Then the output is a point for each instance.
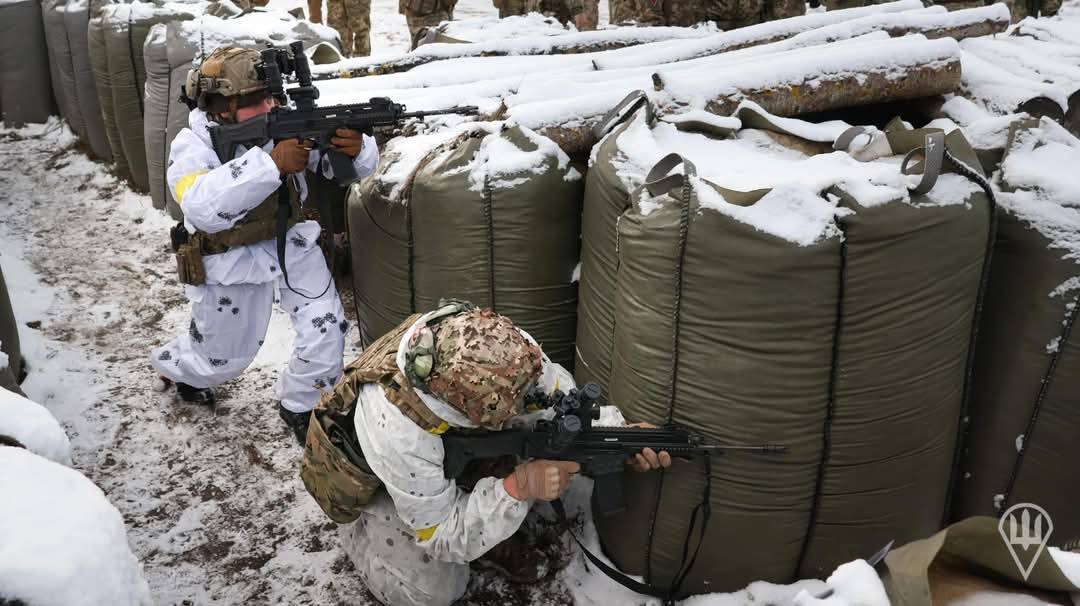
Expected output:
(230, 313)
(413, 543)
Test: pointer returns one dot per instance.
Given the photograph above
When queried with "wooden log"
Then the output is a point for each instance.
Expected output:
(808, 80)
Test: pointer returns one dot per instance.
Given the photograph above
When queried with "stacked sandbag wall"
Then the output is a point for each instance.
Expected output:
(25, 82)
(76, 21)
(61, 65)
(125, 27)
(168, 53)
(1022, 444)
(491, 216)
(847, 343)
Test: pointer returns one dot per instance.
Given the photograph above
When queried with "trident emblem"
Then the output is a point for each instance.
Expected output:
(1023, 526)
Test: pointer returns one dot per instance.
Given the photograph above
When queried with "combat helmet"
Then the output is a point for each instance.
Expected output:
(227, 73)
(473, 359)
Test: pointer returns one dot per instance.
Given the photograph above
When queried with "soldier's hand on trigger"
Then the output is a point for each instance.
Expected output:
(348, 141)
(290, 156)
(540, 479)
(648, 459)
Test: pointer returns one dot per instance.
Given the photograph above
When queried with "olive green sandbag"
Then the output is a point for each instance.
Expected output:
(76, 19)
(607, 196)
(882, 371)
(702, 339)
(496, 234)
(99, 62)
(9, 341)
(25, 84)
(965, 560)
(126, 27)
(913, 277)
(61, 66)
(1025, 417)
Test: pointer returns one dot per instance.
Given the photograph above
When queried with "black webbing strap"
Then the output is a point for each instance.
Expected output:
(669, 595)
(284, 211)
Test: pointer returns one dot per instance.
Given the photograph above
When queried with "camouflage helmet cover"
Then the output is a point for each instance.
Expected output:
(229, 71)
(481, 365)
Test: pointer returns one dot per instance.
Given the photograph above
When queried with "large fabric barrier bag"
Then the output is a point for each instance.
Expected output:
(76, 21)
(125, 27)
(1022, 445)
(168, 53)
(61, 66)
(25, 84)
(99, 63)
(491, 216)
(767, 293)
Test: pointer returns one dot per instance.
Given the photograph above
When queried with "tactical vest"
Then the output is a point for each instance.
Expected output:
(333, 468)
(258, 225)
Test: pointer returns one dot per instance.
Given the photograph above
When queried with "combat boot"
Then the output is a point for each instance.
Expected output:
(297, 422)
(203, 396)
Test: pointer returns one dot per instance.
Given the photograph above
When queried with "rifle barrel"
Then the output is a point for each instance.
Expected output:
(468, 110)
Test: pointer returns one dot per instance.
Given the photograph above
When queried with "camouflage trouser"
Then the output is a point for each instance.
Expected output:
(728, 14)
(352, 19)
(508, 8)
(584, 14)
(1029, 8)
(420, 14)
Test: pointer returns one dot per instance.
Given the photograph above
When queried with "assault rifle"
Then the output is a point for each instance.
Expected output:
(308, 122)
(570, 436)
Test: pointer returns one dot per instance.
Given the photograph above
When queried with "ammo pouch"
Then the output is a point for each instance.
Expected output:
(333, 468)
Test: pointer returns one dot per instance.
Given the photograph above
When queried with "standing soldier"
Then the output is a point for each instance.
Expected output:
(227, 246)
(584, 14)
(422, 14)
(352, 20)
(727, 14)
(509, 8)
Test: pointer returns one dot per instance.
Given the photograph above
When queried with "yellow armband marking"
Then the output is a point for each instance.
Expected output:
(426, 533)
(185, 182)
(441, 429)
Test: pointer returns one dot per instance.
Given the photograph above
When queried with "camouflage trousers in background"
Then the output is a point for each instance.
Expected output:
(584, 14)
(352, 19)
(728, 14)
(421, 14)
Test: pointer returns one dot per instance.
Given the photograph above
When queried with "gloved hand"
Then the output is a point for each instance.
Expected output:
(540, 479)
(290, 156)
(648, 459)
(348, 141)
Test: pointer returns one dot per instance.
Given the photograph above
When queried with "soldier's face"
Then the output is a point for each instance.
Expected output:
(245, 113)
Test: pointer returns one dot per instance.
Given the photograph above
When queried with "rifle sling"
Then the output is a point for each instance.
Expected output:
(284, 211)
(668, 595)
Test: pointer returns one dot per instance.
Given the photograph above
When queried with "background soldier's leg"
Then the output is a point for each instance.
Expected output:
(360, 18)
(337, 17)
(315, 10)
(227, 327)
(394, 568)
(320, 326)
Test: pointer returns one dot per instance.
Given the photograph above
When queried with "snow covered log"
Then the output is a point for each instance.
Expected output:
(64, 543)
(785, 84)
(1022, 444)
(574, 43)
(896, 18)
(1000, 91)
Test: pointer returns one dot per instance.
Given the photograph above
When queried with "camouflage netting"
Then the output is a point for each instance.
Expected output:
(25, 87)
(168, 53)
(822, 313)
(491, 216)
(1022, 444)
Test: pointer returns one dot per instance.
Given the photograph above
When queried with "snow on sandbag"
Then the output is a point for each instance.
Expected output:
(487, 213)
(168, 53)
(34, 427)
(64, 543)
(76, 21)
(61, 66)
(779, 294)
(125, 27)
(1022, 443)
(25, 85)
(11, 360)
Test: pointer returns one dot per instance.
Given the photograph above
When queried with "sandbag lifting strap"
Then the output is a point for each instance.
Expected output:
(284, 211)
(625, 108)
